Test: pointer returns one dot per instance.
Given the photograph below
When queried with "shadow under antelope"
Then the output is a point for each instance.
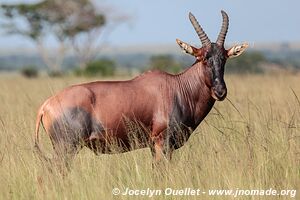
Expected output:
(167, 107)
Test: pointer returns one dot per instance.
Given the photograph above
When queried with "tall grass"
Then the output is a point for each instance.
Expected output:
(249, 141)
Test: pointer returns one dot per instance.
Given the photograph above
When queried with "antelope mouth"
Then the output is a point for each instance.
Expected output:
(219, 95)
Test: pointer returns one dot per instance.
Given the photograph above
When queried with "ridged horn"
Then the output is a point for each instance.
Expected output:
(224, 29)
(202, 35)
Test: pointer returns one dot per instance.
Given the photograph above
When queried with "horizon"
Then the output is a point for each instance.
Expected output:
(153, 49)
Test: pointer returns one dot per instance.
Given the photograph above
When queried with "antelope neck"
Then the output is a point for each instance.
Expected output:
(191, 86)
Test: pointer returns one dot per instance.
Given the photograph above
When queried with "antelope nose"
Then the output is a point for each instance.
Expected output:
(220, 92)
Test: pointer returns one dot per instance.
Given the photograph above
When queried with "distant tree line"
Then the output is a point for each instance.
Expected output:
(252, 62)
(100, 67)
(165, 63)
(249, 62)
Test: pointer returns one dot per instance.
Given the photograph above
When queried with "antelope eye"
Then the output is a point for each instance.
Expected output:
(208, 61)
(205, 58)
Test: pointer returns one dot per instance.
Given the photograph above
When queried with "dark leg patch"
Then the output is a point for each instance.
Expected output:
(70, 131)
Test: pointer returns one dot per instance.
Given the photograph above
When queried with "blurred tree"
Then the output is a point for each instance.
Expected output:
(29, 71)
(249, 62)
(101, 67)
(165, 63)
(88, 43)
(72, 23)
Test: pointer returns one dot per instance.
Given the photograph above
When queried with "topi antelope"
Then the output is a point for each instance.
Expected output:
(165, 107)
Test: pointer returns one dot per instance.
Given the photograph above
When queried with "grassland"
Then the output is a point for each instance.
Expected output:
(251, 141)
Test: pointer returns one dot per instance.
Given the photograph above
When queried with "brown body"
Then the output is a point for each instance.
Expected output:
(157, 100)
(160, 109)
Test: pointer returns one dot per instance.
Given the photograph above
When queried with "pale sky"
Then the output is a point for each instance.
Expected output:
(162, 21)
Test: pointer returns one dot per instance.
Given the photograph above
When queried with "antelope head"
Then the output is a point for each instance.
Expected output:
(213, 56)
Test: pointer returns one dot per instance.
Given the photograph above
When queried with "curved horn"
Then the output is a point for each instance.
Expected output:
(202, 35)
(224, 29)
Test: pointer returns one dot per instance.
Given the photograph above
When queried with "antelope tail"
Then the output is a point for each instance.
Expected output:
(36, 138)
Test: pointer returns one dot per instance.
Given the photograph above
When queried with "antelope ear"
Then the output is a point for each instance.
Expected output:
(236, 50)
(187, 48)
